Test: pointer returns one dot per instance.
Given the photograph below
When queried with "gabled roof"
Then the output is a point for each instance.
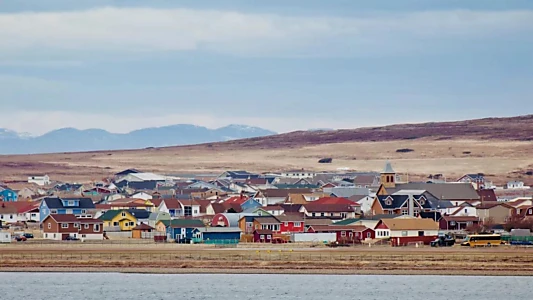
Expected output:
(335, 200)
(489, 205)
(487, 195)
(139, 213)
(442, 191)
(110, 214)
(290, 218)
(346, 222)
(267, 220)
(143, 226)
(64, 218)
(127, 171)
(282, 193)
(55, 203)
(410, 224)
(461, 218)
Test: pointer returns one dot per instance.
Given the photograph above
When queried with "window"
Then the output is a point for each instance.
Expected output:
(195, 211)
(11, 216)
(1, 216)
(46, 235)
(368, 235)
(123, 214)
(343, 233)
(391, 212)
(343, 215)
(83, 235)
(132, 224)
(422, 202)
(86, 226)
(388, 202)
(34, 215)
(313, 214)
(421, 233)
(297, 224)
(404, 233)
(331, 214)
(530, 212)
(286, 224)
(49, 225)
(262, 237)
(351, 234)
(269, 237)
(70, 203)
(54, 235)
(53, 211)
(64, 225)
(322, 214)
(405, 212)
(115, 224)
(76, 225)
(96, 227)
(83, 211)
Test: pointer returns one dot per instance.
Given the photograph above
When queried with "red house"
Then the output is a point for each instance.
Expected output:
(345, 234)
(263, 236)
(291, 223)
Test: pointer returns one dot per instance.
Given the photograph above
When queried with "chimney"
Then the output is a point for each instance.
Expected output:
(411, 206)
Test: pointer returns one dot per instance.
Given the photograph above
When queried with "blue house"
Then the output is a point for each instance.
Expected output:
(62, 206)
(8, 195)
(217, 235)
(250, 203)
(179, 229)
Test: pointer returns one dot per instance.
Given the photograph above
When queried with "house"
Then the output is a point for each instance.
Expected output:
(8, 214)
(180, 208)
(142, 215)
(274, 210)
(298, 173)
(405, 230)
(291, 223)
(346, 191)
(496, 212)
(179, 229)
(477, 180)
(142, 231)
(217, 235)
(516, 185)
(81, 207)
(140, 177)
(8, 195)
(366, 181)
(263, 236)
(345, 233)
(60, 227)
(155, 217)
(127, 172)
(399, 204)
(142, 195)
(457, 223)
(91, 229)
(365, 202)
(487, 195)
(118, 220)
(40, 180)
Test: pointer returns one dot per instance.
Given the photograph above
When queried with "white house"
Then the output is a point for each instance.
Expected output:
(142, 195)
(516, 185)
(178, 208)
(140, 177)
(301, 173)
(39, 180)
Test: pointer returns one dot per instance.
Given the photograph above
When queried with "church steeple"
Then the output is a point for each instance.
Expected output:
(388, 176)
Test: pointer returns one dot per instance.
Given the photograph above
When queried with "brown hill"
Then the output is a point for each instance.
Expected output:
(502, 148)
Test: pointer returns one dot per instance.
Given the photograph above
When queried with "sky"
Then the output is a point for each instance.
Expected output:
(282, 65)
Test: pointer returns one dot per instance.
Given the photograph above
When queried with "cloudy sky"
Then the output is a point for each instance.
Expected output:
(283, 65)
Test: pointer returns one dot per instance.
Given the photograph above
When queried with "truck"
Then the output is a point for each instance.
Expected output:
(444, 240)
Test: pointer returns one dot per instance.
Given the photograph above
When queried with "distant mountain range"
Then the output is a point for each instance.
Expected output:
(74, 140)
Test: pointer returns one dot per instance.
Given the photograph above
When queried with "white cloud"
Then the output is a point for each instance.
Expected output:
(146, 29)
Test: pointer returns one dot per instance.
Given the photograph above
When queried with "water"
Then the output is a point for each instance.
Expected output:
(84, 286)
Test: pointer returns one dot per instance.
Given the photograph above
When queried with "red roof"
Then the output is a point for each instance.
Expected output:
(329, 208)
(68, 218)
(102, 206)
(156, 202)
(22, 206)
(273, 207)
(172, 204)
(335, 200)
(487, 195)
(143, 227)
(236, 199)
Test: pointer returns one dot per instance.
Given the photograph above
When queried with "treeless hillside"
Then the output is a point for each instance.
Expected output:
(502, 148)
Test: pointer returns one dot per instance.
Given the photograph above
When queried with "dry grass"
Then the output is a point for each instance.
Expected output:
(198, 259)
(500, 160)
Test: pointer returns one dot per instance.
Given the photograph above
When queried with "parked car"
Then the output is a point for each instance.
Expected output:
(28, 235)
(71, 238)
(19, 238)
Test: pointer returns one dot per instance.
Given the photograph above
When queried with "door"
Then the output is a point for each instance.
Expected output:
(64, 236)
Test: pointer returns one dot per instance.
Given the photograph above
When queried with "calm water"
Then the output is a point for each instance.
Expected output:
(225, 287)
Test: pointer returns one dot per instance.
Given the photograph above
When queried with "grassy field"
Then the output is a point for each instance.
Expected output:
(500, 160)
(172, 258)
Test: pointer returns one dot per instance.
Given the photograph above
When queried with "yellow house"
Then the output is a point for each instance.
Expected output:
(118, 220)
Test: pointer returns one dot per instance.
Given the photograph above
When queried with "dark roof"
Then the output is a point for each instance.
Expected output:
(446, 191)
(488, 205)
(240, 174)
(141, 185)
(289, 218)
(127, 171)
(379, 217)
(263, 231)
(333, 228)
(430, 215)
(461, 218)
(65, 218)
(184, 223)
(282, 193)
(291, 208)
(346, 222)
(110, 214)
(139, 213)
(68, 187)
(267, 220)
(55, 203)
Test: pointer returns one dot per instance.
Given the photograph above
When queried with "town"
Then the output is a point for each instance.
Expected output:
(337, 208)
